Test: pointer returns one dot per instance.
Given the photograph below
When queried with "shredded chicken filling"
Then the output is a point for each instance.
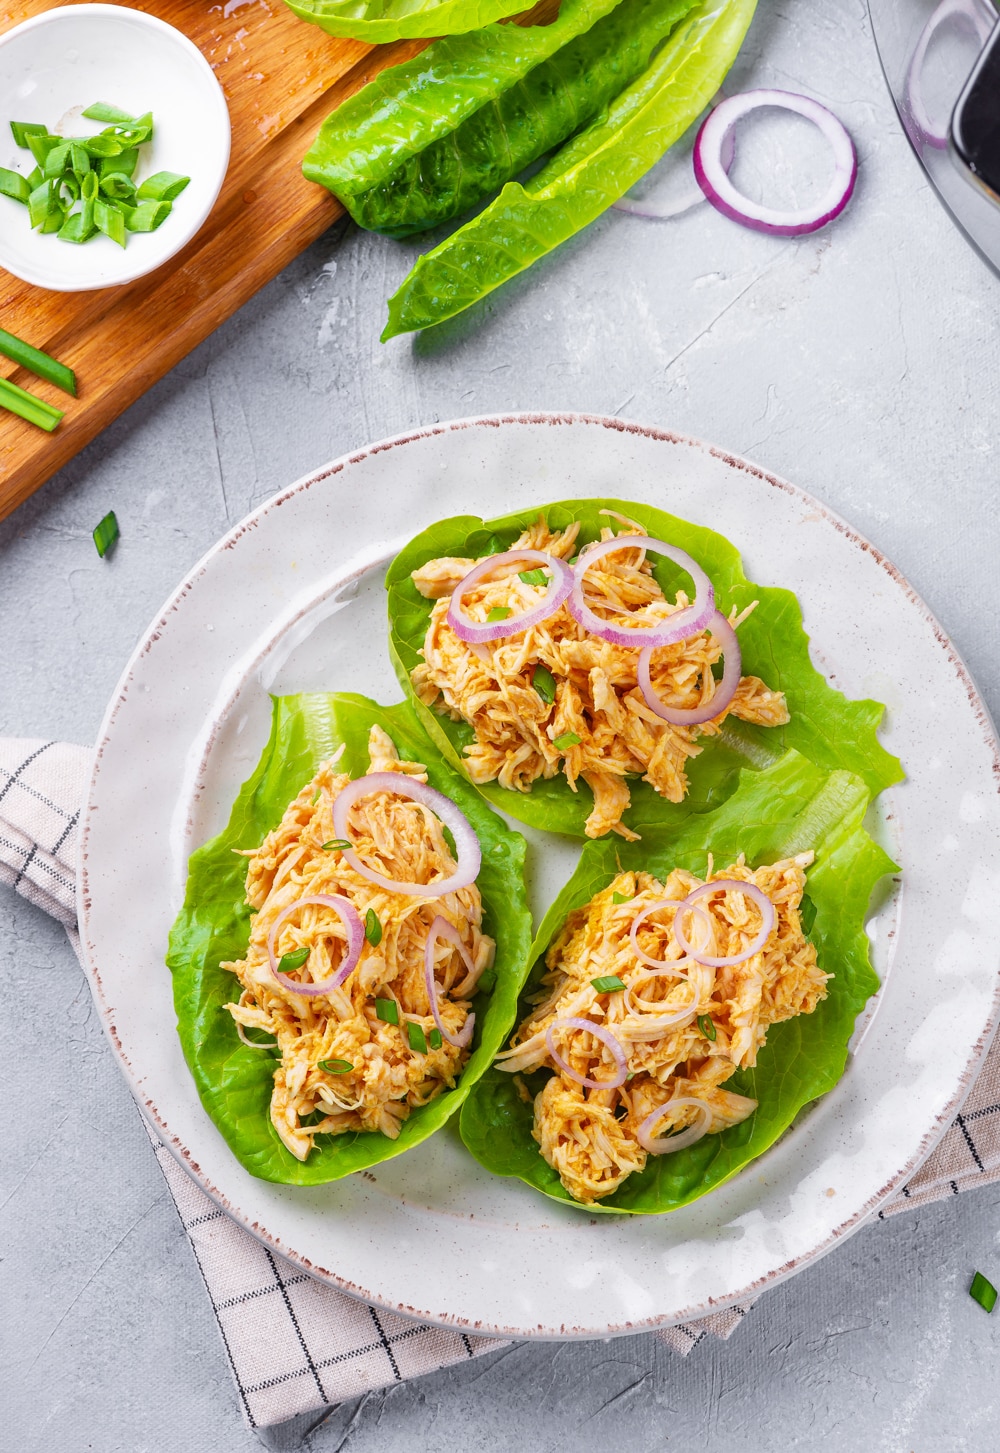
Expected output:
(590, 1136)
(597, 696)
(386, 1077)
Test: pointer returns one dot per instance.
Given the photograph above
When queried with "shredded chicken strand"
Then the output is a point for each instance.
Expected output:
(387, 1078)
(597, 696)
(590, 1136)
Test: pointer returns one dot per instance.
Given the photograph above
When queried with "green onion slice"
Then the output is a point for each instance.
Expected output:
(106, 534)
(335, 1066)
(544, 683)
(109, 220)
(147, 216)
(434, 1039)
(567, 740)
(416, 1036)
(533, 577)
(18, 401)
(983, 1292)
(21, 130)
(118, 186)
(498, 613)
(608, 984)
(387, 1010)
(336, 844)
(13, 185)
(101, 111)
(373, 929)
(707, 1026)
(163, 186)
(57, 160)
(291, 961)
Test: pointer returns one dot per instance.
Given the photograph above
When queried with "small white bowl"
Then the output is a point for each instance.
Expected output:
(58, 63)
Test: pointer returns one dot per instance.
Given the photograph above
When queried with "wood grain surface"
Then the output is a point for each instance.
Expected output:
(281, 78)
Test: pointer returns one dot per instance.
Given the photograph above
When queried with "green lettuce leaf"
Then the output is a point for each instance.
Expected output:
(531, 117)
(235, 1082)
(782, 810)
(583, 179)
(825, 726)
(377, 21)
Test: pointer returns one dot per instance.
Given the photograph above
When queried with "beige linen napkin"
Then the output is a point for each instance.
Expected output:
(295, 1344)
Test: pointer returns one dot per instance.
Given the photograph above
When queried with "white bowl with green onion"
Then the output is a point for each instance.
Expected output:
(96, 200)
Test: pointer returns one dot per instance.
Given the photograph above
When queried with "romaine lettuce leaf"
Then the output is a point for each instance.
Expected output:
(782, 810)
(583, 179)
(235, 1082)
(376, 21)
(825, 726)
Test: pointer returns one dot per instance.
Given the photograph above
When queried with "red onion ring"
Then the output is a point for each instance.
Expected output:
(956, 10)
(348, 916)
(727, 885)
(667, 1144)
(476, 633)
(466, 842)
(669, 966)
(687, 622)
(441, 928)
(606, 1038)
(720, 191)
(724, 691)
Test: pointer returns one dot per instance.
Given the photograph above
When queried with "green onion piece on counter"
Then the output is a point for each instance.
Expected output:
(373, 929)
(118, 186)
(109, 220)
(289, 962)
(434, 1039)
(106, 534)
(533, 577)
(147, 216)
(27, 406)
(620, 898)
(336, 843)
(983, 1292)
(21, 130)
(110, 115)
(335, 1066)
(416, 1036)
(707, 1026)
(163, 186)
(498, 613)
(387, 1010)
(486, 981)
(567, 740)
(608, 984)
(544, 683)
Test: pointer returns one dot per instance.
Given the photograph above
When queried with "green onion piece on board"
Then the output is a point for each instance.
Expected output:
(109, 220)
(21, 130)
(567, 740)
(335, 1066)
(498, 613)
(707, 1026)
(620, 898)
(106, 534)
(607, 984)
(983, 1292)
(289, 962)
(147, 216)
(13, 185)
(163, 186)
(336, 844)
(544, 683)
(416, 1037)
(533, 577)
(387, 1010)
(373, 929)
(101, 111)
(486, 981)
(27, 406)
(434, 1039)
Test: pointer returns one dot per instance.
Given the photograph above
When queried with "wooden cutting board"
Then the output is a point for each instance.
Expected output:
(281, 77)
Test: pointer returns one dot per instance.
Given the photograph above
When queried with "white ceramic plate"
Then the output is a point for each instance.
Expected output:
(58, 63)
(292, 600)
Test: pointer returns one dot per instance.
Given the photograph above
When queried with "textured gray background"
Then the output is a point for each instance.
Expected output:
(862, 364)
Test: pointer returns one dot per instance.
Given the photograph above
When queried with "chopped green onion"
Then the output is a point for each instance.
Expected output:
(416, 1036)
(40, 144)
(335, 1066)
(80, 160)
(35, 179)
(39, 203)
(106, 534)
(118, 186)
(533, 577)
(434, 1039)
(620, 898)
(147, 216)
(373, 929)
(56, 161)
(387, 1010)
(336, 844)
(101, 111)
(103, 145)
(79, 226)
(89, 186)
(163, 186)
(567, 740)
(125, 162)
(498, 613)
(983, 1292)
(707, 1026)
(544, 683)
(289, 962)
(486, 981)
(27, 406)
(109, 220)
(55, 218)
(13, 185)
(607, 984)
(21, 130)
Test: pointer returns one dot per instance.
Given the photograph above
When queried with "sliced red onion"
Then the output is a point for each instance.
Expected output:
(466, 842)
(348, 916)
(606, 1038)
(690, 196)
(476, 633)
(667, 1144)
(980, 22)
(441, 928)
(724, 691)
(714, 179)
(672, 967)
(686, 622)
(727, 885)
(252, 1043)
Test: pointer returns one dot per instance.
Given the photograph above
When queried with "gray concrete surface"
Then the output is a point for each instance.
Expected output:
(862, 364)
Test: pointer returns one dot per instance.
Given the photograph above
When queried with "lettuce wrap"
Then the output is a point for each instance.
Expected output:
(826, 727)
(774, 813)
(213, 926)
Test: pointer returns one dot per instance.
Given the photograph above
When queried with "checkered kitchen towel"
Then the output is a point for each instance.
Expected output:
(296, 1345)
